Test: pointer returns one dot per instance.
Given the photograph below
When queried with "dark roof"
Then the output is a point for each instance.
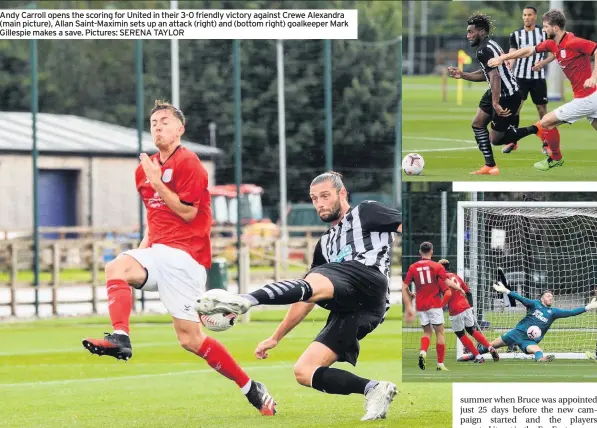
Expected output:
(75, 134)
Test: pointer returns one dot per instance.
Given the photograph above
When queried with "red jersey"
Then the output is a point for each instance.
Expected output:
(429, 277)
(184, 174)
(574, 56)
(458, 303)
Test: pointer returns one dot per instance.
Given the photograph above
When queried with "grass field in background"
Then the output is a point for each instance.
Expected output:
(441, 132)
(47, 379)
(83, 276)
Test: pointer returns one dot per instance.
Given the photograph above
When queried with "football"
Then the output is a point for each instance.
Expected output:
(534, 332)
(218, 322)
(413, 164)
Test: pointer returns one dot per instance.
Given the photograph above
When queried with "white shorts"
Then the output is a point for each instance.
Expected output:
(433, 316)
(464, 319)
(178, 278)
(577, 109)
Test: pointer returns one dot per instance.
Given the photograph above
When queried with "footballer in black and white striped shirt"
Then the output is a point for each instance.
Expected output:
(349, 277)
(501, 102)
(530, 72)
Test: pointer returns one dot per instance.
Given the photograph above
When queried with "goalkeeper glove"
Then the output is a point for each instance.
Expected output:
(501, 288)
(592, 306)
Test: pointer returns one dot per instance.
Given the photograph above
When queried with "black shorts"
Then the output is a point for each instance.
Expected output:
(501, 123)
(537, 88)
(357, 308)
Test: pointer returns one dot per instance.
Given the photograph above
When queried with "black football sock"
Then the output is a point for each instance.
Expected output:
(514, 134)
(516, 121)
(482, 137)
(336, 381)
(281, 293)
(526, 131)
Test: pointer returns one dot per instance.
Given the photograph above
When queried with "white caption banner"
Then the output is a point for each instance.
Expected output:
(179, 24)
(524, 405)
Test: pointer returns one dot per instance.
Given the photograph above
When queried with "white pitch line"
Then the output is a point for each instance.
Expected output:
(139, 345)
(443, 149)
(80, 348)
(456, 140)
(120, 378)
(449, 149)
(411, 378)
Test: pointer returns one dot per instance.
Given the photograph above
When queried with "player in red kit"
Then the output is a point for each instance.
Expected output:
(429, 278)
(462, 316)
(173, 256)
(574, 56)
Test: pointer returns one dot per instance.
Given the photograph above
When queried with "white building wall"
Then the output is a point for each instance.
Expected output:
(113, 203)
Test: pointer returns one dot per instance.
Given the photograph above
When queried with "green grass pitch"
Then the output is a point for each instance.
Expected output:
(441, 132)
(506, 370)
(47, 379)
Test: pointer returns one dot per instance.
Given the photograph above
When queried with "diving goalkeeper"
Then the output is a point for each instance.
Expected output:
(539, 313)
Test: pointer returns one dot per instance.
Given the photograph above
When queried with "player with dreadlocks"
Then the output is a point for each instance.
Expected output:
(501, 103)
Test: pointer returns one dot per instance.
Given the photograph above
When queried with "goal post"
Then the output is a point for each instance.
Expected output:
(540, 245)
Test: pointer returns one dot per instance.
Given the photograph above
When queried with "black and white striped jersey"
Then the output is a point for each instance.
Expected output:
(365, 235)
(522, 38)
(490, 49)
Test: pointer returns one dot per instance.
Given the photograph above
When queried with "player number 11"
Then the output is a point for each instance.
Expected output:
(422, 275)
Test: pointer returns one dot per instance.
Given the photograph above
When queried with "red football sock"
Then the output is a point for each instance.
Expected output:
(425, 343)
(552, 137)
(468, 344)
(479, 337)
(441, 352)
(120, 303)
(221, 361)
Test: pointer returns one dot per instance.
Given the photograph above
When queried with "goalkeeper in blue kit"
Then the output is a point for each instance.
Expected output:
(540, 313)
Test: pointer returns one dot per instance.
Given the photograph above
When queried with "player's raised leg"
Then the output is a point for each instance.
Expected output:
(313, 288)
(191, 337)
(513, 145)
(120, 272)
(313, 370)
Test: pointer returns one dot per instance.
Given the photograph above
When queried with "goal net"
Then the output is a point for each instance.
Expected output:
(540, 245)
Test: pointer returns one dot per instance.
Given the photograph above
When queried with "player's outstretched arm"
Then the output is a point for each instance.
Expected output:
(378, 217)
(501, 288)
(565, 313)
(474, 76)
(296, 313)
(519, 53)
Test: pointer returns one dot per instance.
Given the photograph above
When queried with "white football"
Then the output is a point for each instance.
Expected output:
(534, 332)
(218, 322)
(413, 164)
